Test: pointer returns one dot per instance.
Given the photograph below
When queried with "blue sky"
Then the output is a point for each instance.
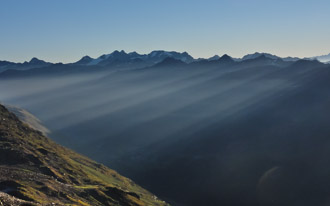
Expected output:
(66, 30)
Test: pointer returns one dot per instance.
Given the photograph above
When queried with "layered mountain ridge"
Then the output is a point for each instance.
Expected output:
(121, 59)
(33, 63)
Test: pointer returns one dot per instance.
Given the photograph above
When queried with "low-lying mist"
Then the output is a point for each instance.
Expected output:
(195, 135)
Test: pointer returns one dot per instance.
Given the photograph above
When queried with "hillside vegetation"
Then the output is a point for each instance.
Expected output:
(36, 171)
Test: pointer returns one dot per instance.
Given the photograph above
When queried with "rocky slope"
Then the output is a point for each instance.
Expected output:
(36, 171)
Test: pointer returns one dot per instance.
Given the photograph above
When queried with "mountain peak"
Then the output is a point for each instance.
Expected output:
(116, 52)
(86, 57)
(258, 54)
(84, 60)
(226, 57)
(35, 60)
(215, 57)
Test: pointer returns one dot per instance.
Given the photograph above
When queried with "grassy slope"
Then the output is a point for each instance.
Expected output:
(34, 168)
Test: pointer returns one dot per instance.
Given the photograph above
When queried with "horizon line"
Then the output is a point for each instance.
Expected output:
(181, 52)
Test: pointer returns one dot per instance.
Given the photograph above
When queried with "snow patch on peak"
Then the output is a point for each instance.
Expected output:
(95, 61)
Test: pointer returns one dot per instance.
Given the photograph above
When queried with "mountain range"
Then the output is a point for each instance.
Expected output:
(121, 59)
(117, 57)
(33, 63)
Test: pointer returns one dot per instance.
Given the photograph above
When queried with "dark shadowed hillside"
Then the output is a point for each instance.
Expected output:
(36, 171)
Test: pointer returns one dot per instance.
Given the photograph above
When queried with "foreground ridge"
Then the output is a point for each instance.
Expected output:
(36, 171)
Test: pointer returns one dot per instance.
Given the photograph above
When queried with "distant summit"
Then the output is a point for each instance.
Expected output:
(85, 60)
(215, 57)
(257, 55)
(322, 58)
(271, 56)
(121, 58)
(35, 60)
(160, 55)
(226, 59)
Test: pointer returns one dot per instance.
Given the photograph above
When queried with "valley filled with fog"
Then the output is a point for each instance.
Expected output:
(218, 132)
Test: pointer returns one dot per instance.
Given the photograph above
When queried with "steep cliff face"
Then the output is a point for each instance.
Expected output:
(36, 171)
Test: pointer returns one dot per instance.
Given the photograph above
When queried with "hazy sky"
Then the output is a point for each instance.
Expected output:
(65, 30)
